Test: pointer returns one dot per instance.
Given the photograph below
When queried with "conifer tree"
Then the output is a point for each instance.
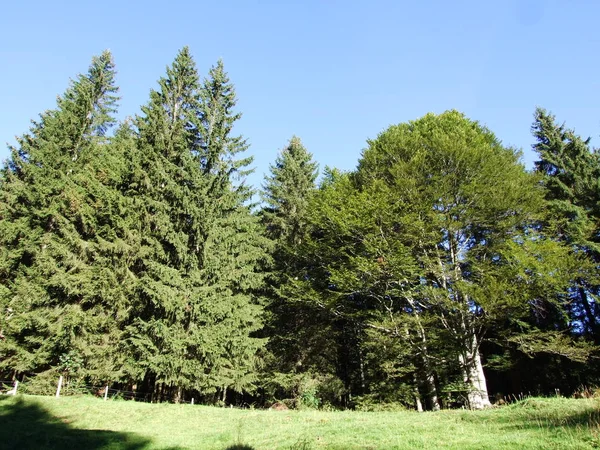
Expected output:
(571, 174)
(295, 354)
(167, 189)
(235, 250)
(56, 217)
(200, 247)
(286, 193)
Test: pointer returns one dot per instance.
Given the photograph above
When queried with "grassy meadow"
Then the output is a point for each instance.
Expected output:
(32, 422)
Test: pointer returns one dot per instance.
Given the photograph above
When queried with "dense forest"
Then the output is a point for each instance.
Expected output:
(439, 273)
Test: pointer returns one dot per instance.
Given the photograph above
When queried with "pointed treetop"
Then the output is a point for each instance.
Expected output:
(218, 118)
(286, 192)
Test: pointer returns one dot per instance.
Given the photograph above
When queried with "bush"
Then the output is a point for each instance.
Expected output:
(306, 390)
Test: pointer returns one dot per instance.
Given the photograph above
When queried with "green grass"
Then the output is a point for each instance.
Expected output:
(90, 423)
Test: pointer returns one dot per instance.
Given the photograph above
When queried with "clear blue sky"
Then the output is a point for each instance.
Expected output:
(335, 72)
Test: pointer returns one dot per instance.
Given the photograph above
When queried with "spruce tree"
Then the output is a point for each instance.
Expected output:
(286, 193)
(201, 248)
(235, 250)
(56, 217)
(167, 190)
(571, 174)
(294, 355)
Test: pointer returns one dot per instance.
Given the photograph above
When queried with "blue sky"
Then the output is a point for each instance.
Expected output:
(335, 73)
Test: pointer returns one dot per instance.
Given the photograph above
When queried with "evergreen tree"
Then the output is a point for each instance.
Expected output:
(201, 247)
(56, 222)
(286, 193)
(235, 250)
(167, 189)
(571, 174)
(305, 348)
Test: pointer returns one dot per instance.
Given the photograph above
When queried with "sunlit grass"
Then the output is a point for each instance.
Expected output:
(535, 423)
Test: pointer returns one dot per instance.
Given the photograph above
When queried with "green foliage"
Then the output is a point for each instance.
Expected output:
(306, 390)
(56, 220)
(431, 243)
(287, 192)
(571, 169)
(303, 348)
(373, 403)
(134, 257)
(201, 252)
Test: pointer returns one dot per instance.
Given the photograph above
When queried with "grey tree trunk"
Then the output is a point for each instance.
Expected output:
(473, 375)
(429, 380)
(417, 395)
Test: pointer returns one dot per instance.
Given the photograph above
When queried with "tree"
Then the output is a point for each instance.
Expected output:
(428, 241)
(286, 193)
(571, 174)
(469, 215)
(60, 296)
(302, 349)
(235, 250)
(367, 277)
(168, 190)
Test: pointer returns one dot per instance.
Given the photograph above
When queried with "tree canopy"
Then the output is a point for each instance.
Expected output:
(132, 254)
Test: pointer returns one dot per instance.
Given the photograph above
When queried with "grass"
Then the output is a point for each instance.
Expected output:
(90, 423)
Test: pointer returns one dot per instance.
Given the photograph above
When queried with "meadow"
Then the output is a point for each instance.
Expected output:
(86, 422)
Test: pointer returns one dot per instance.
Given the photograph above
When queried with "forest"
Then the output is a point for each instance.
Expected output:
(439, 273)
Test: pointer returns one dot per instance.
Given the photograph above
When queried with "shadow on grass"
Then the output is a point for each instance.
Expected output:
(536, 414)
(239, 447)
(26, 425)
(590, 418)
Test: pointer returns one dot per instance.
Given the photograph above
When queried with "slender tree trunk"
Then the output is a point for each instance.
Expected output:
(224, 395)
(417, 394)
(361, 370)
(431, 389)
(429, 379)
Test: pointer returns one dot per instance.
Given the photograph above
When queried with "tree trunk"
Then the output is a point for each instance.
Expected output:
(431, 389)
(416, 394)
(178, 395)
(474, 378)
(361, 364)
(429, 380)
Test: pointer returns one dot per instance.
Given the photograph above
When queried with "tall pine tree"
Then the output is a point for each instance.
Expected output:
(297, 353)
(571, 174)
(286, 193)
(235, 250)
(55, 219)
(168, 190)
